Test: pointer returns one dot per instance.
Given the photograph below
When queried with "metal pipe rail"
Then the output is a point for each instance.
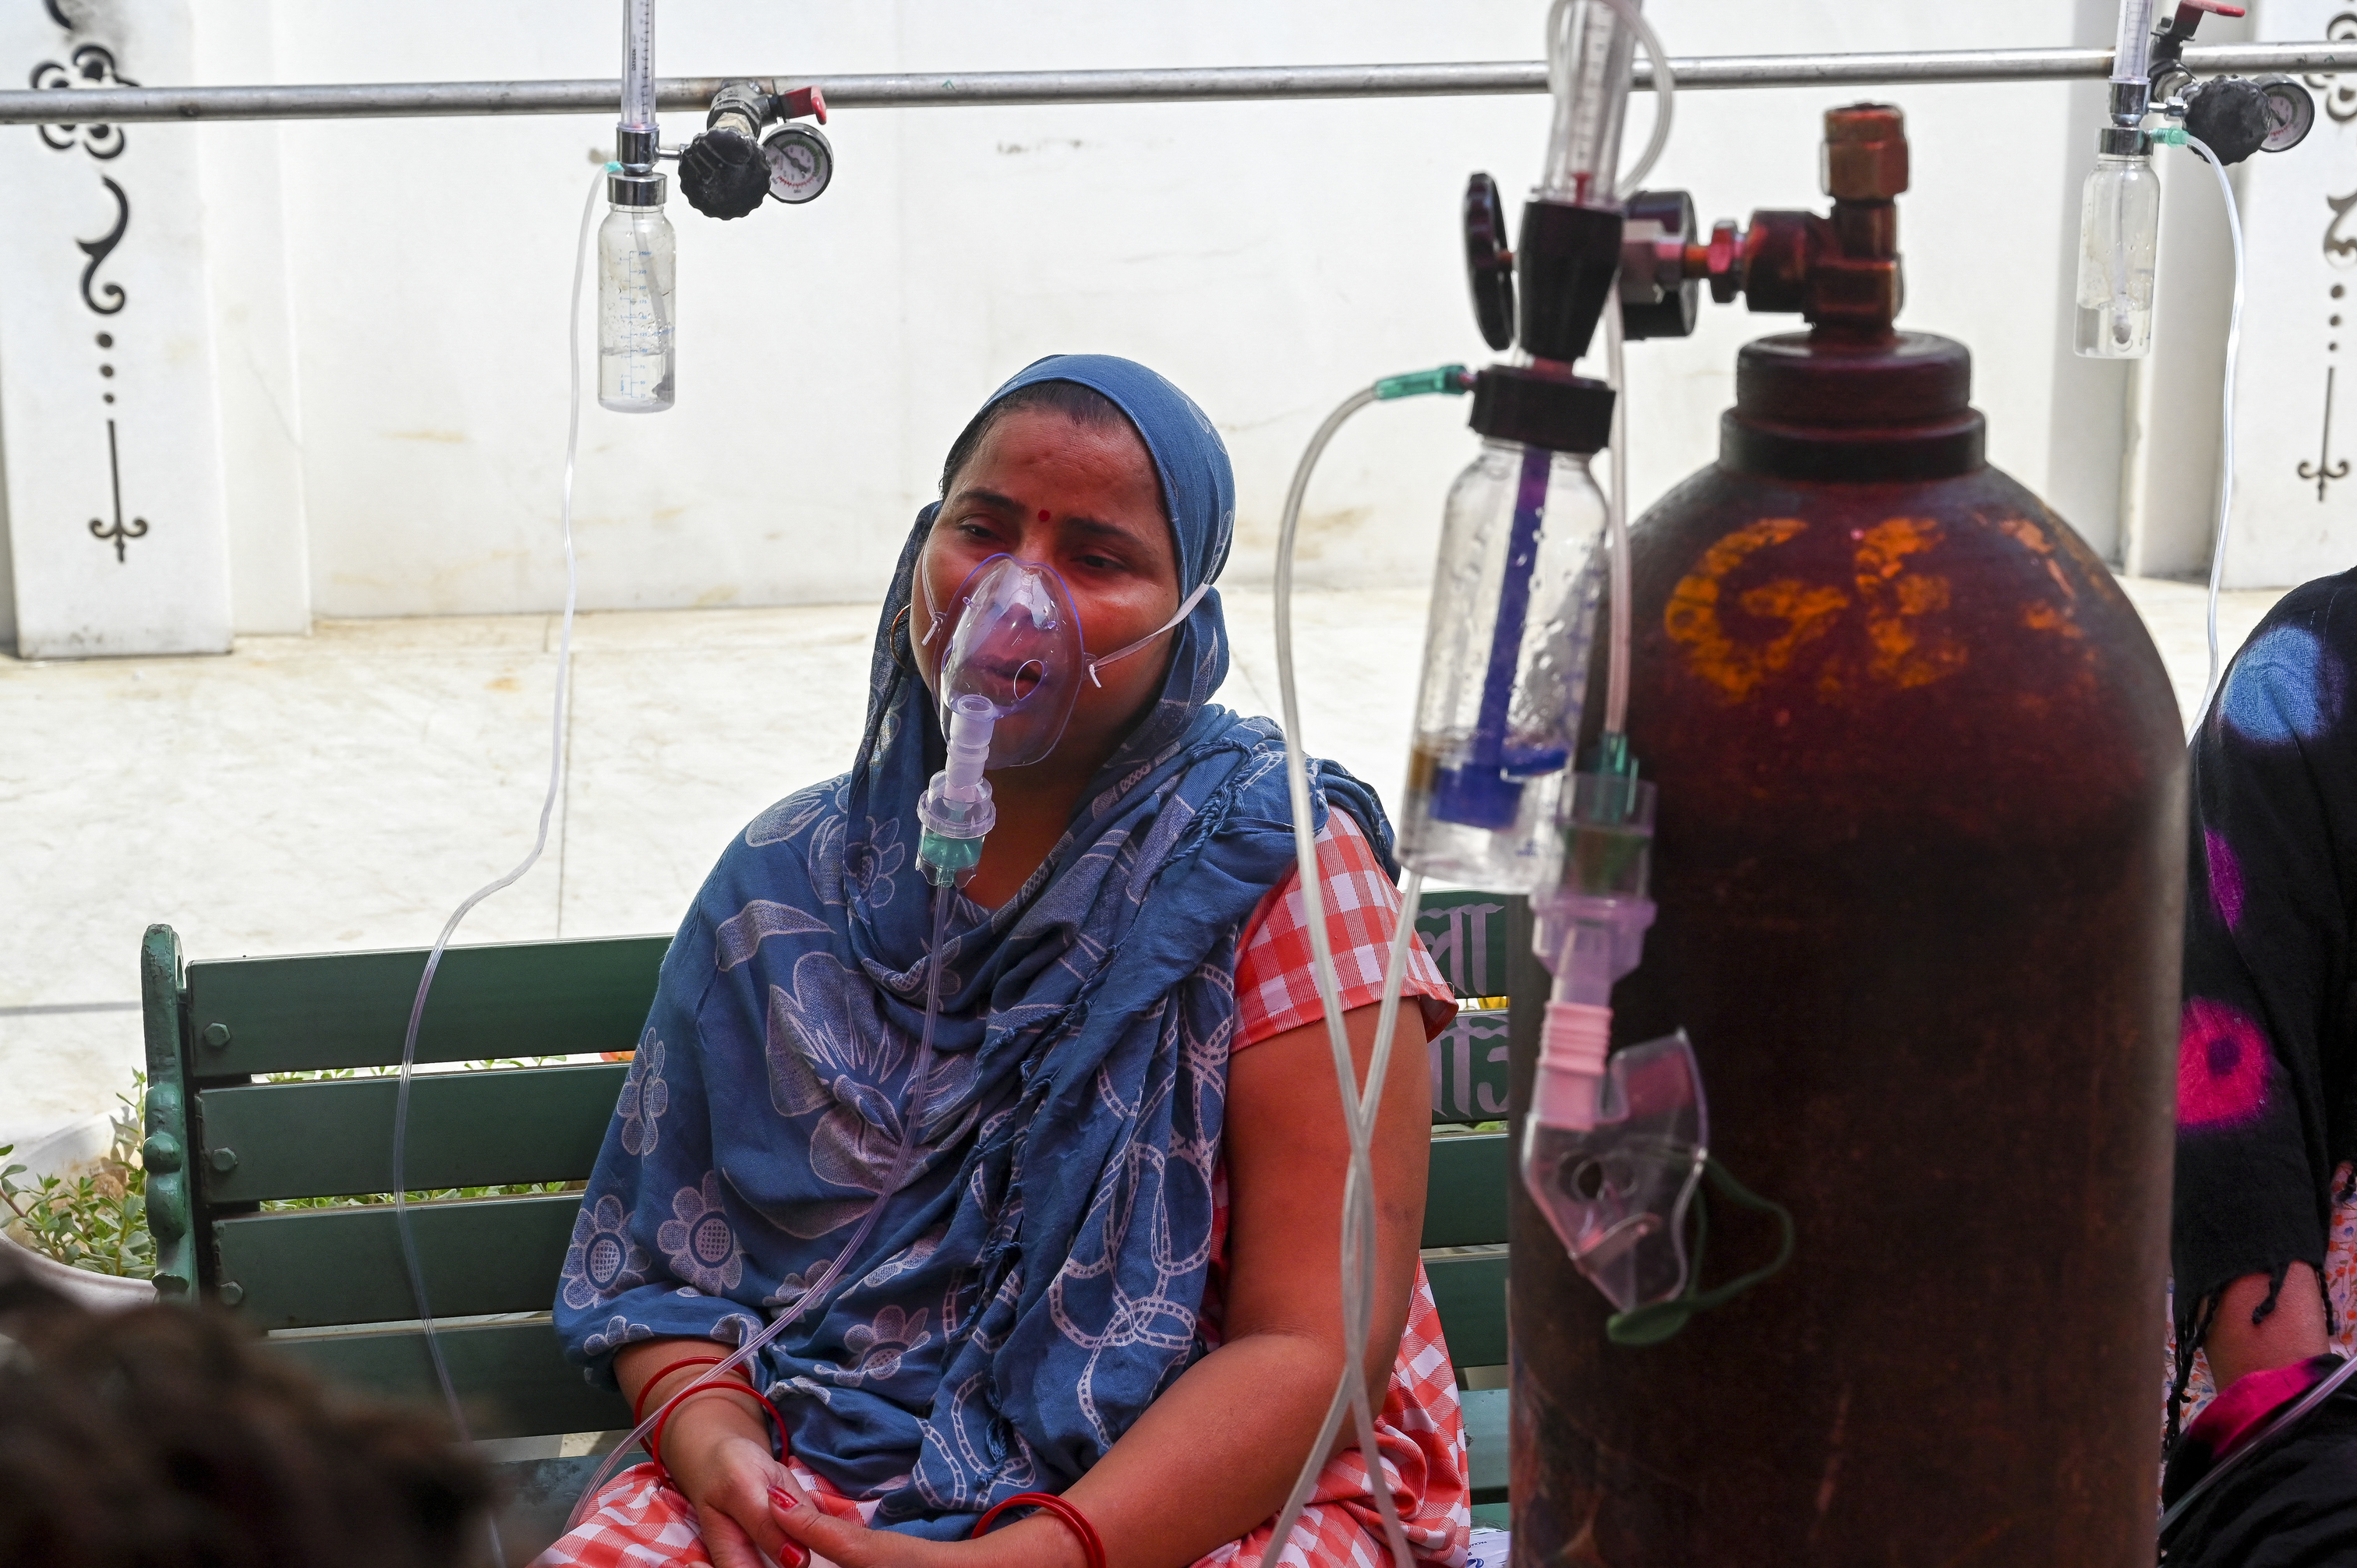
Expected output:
(911, 89)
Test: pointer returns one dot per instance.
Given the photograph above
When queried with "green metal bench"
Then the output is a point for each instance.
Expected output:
(327, 1284)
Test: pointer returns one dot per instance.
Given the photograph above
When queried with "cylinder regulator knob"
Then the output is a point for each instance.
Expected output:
(1659, 298)
(2233, 117)
(1488, 262)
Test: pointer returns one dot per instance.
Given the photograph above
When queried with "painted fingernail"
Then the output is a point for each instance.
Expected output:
(783, 1500)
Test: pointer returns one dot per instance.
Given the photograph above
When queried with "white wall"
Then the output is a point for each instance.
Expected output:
(1269, 257)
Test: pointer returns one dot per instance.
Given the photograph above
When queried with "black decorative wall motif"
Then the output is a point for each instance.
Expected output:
(2340, 95)
(137, 526)
(2324, 470)
(92, 66)
(2341, 249)
(98, 250)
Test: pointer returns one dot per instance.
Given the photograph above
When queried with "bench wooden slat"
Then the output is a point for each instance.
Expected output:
(512, 1378)
(312, 1267)
(330, 1137)
(344, 1265)
(1465, 1197)
(1470, 1292)
(339, 1010)
(1485, 1443)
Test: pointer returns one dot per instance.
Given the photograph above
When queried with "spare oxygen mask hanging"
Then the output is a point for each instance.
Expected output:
(1616, 1144)
(1011, 670)
(1613, 1144)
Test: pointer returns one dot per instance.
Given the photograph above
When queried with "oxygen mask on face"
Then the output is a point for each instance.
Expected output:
(1013, 642)
(1010, 671)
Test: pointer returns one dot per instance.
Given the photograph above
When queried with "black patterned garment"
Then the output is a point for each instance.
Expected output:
(2267, 1090)
(2264, 1104)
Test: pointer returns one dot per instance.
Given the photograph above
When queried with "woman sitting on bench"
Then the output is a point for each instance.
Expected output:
(1112, 1275)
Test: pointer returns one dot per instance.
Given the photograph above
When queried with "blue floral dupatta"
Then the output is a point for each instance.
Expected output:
(1036, 1284)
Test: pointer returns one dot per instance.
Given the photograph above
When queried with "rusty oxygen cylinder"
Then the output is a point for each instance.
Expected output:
(1919, 868)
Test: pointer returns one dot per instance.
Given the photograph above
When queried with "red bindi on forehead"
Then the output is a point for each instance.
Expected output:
(1043, 514)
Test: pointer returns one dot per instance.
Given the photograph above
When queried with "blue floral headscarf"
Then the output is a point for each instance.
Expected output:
(1036, 1283)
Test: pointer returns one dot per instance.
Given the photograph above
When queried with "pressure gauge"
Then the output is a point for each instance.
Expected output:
(2291, 112)
(801, 163)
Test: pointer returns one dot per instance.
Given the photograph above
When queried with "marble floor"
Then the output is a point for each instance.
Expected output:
(343, 791)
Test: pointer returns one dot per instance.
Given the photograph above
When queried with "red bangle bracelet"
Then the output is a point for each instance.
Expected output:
(1073, 1519)
(638, 1406)
(663, 1417)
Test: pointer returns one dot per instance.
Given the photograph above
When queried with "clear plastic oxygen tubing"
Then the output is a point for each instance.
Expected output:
(1665, 84)
(1358, 1109)
(539, 843)
(2226, 430)
(919, 1099)
(1616, 535)
(2277, 1427)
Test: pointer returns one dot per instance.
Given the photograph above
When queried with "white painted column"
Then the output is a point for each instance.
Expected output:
(2295, 510)
(241, 176)
(110, 425)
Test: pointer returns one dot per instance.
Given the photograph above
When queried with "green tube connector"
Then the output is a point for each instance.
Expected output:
(947, 862)
(2168, 135)
(1612, 757)
(1453, 379)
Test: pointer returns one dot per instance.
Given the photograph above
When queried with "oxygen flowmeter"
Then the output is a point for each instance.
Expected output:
(637, 253)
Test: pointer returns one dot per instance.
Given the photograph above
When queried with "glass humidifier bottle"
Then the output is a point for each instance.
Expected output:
(637, 269)
(1505, 669)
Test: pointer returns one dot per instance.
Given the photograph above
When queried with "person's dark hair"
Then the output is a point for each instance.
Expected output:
(162, 1436)
(1084, 406)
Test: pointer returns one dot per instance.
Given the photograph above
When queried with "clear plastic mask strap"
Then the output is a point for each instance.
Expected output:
(1186, 608)
(1662, 1320)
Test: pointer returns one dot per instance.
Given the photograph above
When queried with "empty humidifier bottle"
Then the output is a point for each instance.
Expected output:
(637, 343)
(2120, 235)
(1505, 668)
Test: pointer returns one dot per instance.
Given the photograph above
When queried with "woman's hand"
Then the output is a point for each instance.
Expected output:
(718, 1457)
(1036, 1543)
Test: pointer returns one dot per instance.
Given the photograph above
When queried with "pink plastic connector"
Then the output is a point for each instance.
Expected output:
(1572, 1049)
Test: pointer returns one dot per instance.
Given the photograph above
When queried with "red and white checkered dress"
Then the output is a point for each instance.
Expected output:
(641, 1522)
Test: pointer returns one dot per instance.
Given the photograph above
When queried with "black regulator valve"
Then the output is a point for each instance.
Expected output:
(2230, 115)
(1489, 263)
(2234, 117)
(1661, 296)
(728, 171)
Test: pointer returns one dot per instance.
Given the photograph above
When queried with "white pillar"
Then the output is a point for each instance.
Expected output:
(110, 425)
(2295, 508)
